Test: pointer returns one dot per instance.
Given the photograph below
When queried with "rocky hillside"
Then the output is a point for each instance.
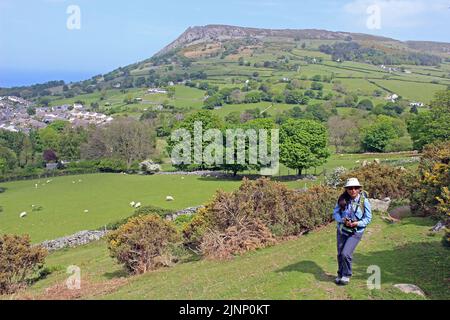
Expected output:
(213, 33)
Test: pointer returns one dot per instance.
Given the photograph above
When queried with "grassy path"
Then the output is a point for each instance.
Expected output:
(299, 269)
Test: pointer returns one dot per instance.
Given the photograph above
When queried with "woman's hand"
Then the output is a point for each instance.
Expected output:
(353, 224)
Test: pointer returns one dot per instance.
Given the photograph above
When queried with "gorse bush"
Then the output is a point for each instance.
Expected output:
(430, 195)
(18, 262)
(140, 212)
(144, 243)
(381, 181)
(255, 215)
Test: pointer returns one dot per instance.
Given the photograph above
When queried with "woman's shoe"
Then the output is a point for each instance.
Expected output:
(345, 281)
(338, 280)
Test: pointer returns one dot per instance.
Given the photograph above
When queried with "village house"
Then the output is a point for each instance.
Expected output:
(393, 97)
(416, 104)
(156, 91)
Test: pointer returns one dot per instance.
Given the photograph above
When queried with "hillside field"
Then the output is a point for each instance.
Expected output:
(299, 269)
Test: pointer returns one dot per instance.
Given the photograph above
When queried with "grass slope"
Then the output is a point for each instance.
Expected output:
(299, 269)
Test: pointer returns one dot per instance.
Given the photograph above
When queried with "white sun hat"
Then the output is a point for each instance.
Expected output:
(352, 182)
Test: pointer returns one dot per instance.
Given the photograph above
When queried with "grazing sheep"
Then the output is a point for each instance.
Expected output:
(48, 181)
(23, 215)
(169, 198)
(86, 211)
(36, 185)
(80, 180)
(132, 203)
(137, 205)
(73, 182)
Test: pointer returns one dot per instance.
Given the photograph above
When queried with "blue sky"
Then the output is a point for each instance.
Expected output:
(37, 46)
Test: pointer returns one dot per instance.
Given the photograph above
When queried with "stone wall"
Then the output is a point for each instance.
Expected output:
(85, 237)
(75, 240)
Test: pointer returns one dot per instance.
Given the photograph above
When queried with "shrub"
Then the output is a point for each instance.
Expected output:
(253, 216)
(18, 262)
(194, 231)
(112, 165)
(381, 181)
(140, 212)
(250, 235)
(334, 178)
(399, 144)
(144, 243)
(430, 195)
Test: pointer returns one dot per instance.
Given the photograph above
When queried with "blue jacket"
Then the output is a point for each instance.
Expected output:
(363, 218)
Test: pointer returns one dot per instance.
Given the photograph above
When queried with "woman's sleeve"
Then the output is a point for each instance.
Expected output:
(337, 213)
(367, 216)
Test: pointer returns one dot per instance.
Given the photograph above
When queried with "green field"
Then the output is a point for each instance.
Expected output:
(297, 269)
(106, 196)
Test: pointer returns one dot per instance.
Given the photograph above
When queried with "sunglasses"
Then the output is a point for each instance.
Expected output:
(353, 188)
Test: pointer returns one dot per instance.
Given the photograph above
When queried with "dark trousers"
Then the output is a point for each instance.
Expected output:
(346, 245)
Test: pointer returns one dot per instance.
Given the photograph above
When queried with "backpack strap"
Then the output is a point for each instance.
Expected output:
(362, 200)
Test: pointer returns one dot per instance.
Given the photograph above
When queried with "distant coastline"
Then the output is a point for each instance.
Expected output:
(16, 78)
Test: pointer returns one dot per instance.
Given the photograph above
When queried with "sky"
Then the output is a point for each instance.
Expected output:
(72, 40)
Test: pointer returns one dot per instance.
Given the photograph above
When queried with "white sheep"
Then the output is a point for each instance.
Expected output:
(86, 211)
(169, 198)
(23, 215)
(80, 180)
(36, 185)
(132, 203)
(48, 181)
(137, 205)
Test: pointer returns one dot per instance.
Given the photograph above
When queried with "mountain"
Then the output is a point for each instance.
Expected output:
(186, 54)
(219, 33)
(212, 33)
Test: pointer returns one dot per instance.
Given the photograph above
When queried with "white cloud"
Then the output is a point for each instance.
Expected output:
(397, 13)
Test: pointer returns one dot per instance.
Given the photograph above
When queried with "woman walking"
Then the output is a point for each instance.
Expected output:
(352, 214)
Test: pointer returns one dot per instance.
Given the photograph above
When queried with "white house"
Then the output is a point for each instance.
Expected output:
(393, 97)
(156, 91)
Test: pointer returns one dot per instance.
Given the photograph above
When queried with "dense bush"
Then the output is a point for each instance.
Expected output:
(253, 216)
(381, 181)
(144, 243)
(112, 165)
(430, 195)
(18, 262)
(140, 212)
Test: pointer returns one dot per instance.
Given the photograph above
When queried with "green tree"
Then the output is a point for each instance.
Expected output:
(171, 92)
(316, 85)
(365, 104)
(432, 126)
(293, 97)
(256, 124)
(253, 97)
(213, 101)
(3, 165)
(208, 121)
(377, 136)
(9, 157)
(304, 144)
(49, 138)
